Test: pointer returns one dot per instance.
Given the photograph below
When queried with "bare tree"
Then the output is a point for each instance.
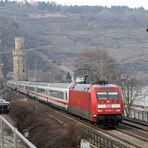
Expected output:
(130, 90)
(101, 65)
(68, 77)
(46, 76)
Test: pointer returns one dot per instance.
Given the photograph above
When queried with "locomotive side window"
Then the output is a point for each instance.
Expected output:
(107, 95)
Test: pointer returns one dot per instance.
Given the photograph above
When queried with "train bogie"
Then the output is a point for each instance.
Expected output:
(109, 120)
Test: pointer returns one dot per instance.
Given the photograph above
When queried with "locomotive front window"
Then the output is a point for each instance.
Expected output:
(102, 96)
(107, 95)
(113, 95)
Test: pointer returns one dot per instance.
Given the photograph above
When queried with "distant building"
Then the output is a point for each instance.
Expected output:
(19, 60)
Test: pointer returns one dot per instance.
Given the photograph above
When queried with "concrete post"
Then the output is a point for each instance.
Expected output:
(2, 135)
(84, 144)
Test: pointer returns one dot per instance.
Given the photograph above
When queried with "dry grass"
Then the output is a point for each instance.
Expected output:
(43, 132)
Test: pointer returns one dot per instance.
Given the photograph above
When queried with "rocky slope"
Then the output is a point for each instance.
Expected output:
(62, 35)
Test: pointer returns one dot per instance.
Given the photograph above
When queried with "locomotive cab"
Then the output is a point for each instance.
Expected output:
(109, 104)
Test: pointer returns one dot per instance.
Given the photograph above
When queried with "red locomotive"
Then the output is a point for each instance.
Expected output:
(98, 103)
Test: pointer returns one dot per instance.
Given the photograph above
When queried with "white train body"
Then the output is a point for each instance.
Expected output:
(53, 93)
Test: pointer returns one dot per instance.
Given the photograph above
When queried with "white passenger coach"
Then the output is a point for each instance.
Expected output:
(53, 93)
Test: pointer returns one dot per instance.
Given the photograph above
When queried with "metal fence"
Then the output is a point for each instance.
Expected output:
(139, 115)
(101, 141)
(17, 140)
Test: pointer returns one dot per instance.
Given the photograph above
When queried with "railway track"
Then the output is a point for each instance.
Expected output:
(135, 133)
(131, 139)
(138, 130)
(126, 138)
(136, 124)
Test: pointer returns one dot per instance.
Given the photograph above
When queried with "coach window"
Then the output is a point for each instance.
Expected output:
(31, 88)
(65, 96)
(49, 93)
(56, 94)
(42, 91)
(61, 95)
(53, 93)
(21, 86)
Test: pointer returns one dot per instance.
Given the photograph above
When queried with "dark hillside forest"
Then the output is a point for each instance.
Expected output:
(58, 34)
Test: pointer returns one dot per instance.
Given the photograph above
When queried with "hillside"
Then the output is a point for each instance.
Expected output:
(60, 35)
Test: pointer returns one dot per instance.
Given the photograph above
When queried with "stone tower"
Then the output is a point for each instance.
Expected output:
(19, 60)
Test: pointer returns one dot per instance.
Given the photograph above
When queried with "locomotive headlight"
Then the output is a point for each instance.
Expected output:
(94, 115)
(99, 110)
(117, 110)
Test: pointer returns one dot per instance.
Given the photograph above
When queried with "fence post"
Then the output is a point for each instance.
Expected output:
(134, 114)
(2, 134)
(84, 144)
(143, 116)
(15, 138)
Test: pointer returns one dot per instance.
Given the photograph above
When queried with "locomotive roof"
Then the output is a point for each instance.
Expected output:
(82, 87)
(86, 87)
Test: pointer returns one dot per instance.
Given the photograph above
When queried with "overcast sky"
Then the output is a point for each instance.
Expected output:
(129, 3)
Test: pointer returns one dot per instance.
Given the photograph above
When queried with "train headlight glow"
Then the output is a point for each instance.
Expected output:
(95, 115)
(117, 110)
(99, 110)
